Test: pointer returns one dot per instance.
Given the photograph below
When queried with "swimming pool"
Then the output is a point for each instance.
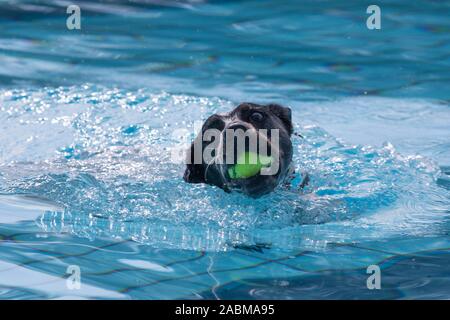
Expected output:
(87, 122)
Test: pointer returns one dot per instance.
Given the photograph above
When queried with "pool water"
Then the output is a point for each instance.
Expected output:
(90, 119)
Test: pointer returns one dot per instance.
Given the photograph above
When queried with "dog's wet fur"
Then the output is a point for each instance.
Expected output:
(245, 116)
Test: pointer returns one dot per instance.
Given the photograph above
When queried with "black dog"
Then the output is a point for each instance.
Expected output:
(253, 117)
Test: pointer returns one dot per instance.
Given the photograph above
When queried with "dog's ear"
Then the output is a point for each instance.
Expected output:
(194, 173)
(284, 114)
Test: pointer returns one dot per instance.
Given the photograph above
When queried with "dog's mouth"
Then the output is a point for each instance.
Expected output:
(253, 169)
(248, 165)
(254, 186)
(251, 175)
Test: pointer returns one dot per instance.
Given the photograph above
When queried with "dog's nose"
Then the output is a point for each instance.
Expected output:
(236, 126)
(236, 141)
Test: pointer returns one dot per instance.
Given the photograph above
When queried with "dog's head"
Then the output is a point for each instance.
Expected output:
(215, 150)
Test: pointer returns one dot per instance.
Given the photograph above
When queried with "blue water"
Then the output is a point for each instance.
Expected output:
(87, 122)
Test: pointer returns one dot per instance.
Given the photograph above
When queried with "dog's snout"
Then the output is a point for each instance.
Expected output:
(237, 126)
(236, 141)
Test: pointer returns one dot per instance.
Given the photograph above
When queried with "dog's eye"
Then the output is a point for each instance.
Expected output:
(256, 116)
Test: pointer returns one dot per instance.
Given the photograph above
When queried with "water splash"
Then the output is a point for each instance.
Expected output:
(103, 156)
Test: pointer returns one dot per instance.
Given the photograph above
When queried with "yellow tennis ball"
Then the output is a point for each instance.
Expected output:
(249, 164)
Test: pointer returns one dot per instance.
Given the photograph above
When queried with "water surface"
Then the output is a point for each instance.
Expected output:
(88, 123)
